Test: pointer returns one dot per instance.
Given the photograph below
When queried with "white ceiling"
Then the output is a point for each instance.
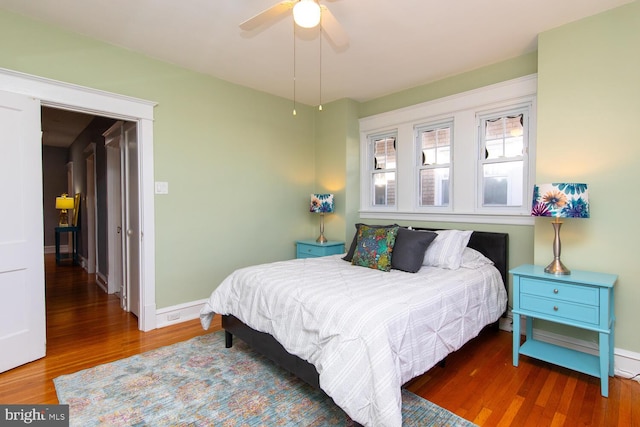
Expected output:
(394, 44)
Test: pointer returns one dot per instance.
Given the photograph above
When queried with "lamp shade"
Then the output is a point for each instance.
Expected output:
(561, 200)
(321, 203)
(64, 202)
(306, 13)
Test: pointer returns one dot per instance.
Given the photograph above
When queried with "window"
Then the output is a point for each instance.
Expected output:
(434, 156)
(503, 145)
(383, 169)
(468, 157)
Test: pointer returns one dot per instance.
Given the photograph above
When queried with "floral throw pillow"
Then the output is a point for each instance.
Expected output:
(374, 247)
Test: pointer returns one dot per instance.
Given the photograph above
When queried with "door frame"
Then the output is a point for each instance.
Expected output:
(67, 96)
(90, 207)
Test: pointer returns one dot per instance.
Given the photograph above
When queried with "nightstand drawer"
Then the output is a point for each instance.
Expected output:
(312, 249)
(560, 309)
(560, 291)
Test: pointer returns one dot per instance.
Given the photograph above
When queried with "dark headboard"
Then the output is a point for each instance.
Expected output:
(494, 246)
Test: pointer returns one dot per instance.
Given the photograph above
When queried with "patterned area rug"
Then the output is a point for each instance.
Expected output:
(199, 382)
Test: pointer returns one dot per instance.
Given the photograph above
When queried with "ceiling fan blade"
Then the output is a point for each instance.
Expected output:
(267, 15)
(333, 29)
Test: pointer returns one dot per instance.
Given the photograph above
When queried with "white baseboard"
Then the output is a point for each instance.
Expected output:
(626, 364)
(178, 313)
(101, 280)
(64, 249)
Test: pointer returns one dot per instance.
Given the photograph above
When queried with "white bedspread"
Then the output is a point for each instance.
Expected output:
(367, 332)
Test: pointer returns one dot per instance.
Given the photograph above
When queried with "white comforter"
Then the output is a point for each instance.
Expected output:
(367, 332)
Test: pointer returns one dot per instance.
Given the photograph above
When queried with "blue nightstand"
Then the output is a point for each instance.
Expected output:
(582, 299)
(313, 249)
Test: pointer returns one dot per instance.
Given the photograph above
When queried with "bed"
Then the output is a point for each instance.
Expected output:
(360, 333)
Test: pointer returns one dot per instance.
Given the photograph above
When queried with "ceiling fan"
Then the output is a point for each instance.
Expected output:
(306, 13)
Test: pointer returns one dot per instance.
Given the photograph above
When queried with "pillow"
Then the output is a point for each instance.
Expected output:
(473, 259)
(374, 247)
(409, 249)
(446, 250)
(352, 248)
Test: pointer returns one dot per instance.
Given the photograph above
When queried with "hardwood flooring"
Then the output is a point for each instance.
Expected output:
(86, 327)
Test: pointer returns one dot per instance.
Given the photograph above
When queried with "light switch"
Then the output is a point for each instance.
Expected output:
(162, 187)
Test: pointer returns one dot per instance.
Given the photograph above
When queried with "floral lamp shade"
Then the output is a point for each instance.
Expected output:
(321, 203)
(561, 200)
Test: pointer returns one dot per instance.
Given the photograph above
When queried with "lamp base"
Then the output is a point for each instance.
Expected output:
(321, 239)
(64, 219)
(557, 267)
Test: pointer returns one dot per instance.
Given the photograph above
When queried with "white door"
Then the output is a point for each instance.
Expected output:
(132, 219)
(90, 208)
(115, 281)
(22, 307)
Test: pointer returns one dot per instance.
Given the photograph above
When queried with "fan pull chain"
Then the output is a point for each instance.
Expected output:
(294, 68)
(320, 79)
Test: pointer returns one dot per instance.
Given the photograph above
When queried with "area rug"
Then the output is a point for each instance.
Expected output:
(201, 383)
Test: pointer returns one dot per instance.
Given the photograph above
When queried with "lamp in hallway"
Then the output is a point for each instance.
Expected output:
(64, 203)
(321, 204)
(560, 200)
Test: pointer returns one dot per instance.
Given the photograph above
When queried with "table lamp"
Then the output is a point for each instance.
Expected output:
(64, 203)
(560, 200)
(322, 204)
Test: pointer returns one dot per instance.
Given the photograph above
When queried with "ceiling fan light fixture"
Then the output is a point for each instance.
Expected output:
(306, 13)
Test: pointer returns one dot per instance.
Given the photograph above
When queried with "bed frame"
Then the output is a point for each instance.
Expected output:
(494, 246)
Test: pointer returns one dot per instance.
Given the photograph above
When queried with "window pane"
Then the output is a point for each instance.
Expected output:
(504, 137)
(436, 146)
(384, 153)
(502, 184)
(434, 187)
(384, 189)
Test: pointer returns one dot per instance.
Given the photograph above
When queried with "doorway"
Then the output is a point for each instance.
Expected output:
(23, 95)
(54, 94)
(96, 150)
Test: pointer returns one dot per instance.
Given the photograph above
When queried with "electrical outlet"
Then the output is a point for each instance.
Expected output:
(173, 316)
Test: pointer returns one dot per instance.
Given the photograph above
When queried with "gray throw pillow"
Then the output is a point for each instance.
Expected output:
(409, 249)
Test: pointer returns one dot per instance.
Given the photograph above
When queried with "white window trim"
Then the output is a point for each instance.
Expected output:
(371, 159)
(463, 203)
(528, 109)
(417, 164)
(365, 167)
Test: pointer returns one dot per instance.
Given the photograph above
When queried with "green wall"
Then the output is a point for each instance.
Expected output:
(495, 73)
(240, 167)
(588, 107)
(337, 142)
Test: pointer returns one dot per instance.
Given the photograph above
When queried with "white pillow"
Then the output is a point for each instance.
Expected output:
(446, 250)
(473, 259)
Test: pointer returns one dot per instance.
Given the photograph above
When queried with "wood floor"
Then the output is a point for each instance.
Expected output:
(85, 327)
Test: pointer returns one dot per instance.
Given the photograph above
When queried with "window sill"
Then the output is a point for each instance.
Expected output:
(474, 218)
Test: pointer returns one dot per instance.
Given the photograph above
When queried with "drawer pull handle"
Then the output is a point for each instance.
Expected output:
(555, 291)
(555, 308)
